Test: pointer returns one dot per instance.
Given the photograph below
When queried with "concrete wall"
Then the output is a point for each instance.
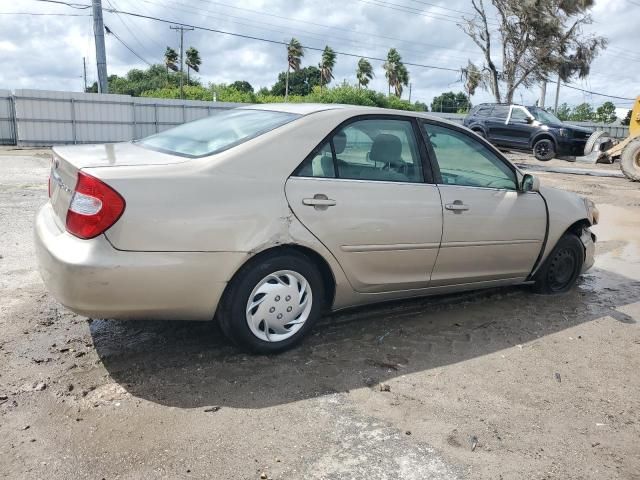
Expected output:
(7, 124)
(48, 118)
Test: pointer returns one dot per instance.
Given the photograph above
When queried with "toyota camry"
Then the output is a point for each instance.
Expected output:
(264, 217)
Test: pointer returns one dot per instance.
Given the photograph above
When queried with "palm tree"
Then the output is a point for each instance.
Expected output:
(295, 52)
(402, 79)
(395, 72)
(170, 60)
(326, 65)
(364, 73)
(193, 61)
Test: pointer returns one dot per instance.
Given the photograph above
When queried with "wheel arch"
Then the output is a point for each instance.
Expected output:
(317, 259)
(543, 135)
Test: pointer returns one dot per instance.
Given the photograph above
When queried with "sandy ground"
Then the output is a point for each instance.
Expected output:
(500, 384)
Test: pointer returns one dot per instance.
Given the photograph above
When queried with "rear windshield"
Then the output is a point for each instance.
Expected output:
(218, 132)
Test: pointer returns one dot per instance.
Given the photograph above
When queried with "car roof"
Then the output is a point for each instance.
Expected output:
(309, 108)
(299, 108)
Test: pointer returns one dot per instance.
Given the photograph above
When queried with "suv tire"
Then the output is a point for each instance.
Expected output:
(544, 149)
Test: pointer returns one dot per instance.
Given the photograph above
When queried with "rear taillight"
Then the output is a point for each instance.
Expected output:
(95, 206)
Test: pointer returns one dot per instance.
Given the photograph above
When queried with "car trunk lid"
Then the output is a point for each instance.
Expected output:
(68, 160)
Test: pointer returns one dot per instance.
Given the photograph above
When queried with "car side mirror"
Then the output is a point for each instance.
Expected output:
(530, 183)
(529, 120)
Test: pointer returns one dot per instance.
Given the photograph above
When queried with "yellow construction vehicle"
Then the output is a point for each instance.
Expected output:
(601, 148)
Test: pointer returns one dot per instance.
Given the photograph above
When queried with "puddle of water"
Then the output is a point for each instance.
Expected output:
(619, 224)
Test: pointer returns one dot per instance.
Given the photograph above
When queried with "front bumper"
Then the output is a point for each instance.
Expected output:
(588, 239)
(93, 279)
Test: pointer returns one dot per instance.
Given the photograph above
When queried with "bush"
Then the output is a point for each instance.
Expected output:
(345, 94)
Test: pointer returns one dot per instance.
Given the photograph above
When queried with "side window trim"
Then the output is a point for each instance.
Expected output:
(463, 131)
(428, 171)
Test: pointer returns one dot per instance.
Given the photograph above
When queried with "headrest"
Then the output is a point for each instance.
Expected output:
(386, 148)
(339, 142)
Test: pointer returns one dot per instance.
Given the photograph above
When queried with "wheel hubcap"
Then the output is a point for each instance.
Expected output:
(279, 306)
(542, 149)
(562, 269)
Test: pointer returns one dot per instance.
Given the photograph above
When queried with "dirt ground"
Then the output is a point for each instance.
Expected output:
(499, 384)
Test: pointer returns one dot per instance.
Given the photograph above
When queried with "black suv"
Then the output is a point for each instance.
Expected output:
(527, 128)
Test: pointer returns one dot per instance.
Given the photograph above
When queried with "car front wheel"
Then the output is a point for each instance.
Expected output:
(544, 150)
(272, 303)
(563, 266)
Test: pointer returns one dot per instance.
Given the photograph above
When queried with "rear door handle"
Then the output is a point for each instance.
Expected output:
(319, 201)
(457, 206)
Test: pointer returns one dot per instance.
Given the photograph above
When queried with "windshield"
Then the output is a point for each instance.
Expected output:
(543, 116)
(218, 132)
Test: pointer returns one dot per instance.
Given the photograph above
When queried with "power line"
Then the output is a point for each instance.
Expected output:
(78, 6)
(592, 92)
(113, 4)
(258, 25)
(275, 42)
(416, 11)
(127, 46)
(289, 19)
(34, 14)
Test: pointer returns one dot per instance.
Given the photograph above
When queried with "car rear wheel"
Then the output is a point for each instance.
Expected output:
(562, 267)
(544, 149)
(272, 303)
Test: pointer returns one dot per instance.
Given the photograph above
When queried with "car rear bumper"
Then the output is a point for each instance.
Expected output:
(93, 279)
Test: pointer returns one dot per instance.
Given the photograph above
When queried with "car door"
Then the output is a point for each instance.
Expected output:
(520, 126)
(496, 125)
(491, 231)
(364, 194)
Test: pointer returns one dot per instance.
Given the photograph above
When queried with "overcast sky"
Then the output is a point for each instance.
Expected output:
(46, 51)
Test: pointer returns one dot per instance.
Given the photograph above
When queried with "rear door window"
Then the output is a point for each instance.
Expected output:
(500, 112)
(380, 149)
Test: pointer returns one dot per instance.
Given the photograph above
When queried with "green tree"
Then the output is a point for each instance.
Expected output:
(536, 39)
(295, 52)
(627, 119)
(242, 86)
(171, 60)
(137, 81)
(395, 72)
(327, 63)
(563, 112)
(450, 102)
(193, 61)
(364, 72)
(606, 113)
(582, 113)
(301, 82)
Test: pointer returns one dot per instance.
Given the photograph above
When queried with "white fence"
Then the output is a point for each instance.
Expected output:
(41, 117)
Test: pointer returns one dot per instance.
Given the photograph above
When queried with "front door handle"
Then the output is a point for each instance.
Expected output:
(457, 206)
(319, 201)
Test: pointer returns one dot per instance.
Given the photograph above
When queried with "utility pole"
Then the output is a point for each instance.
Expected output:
(555, 107)
(409, 92)
(101, 54)
(84, 75)
(543, 93)
(182, 28)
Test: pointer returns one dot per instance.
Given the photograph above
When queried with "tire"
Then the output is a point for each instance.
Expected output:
(630, 160)
(544, 149)
(593, 140)
(283, 286)
(562, 267)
